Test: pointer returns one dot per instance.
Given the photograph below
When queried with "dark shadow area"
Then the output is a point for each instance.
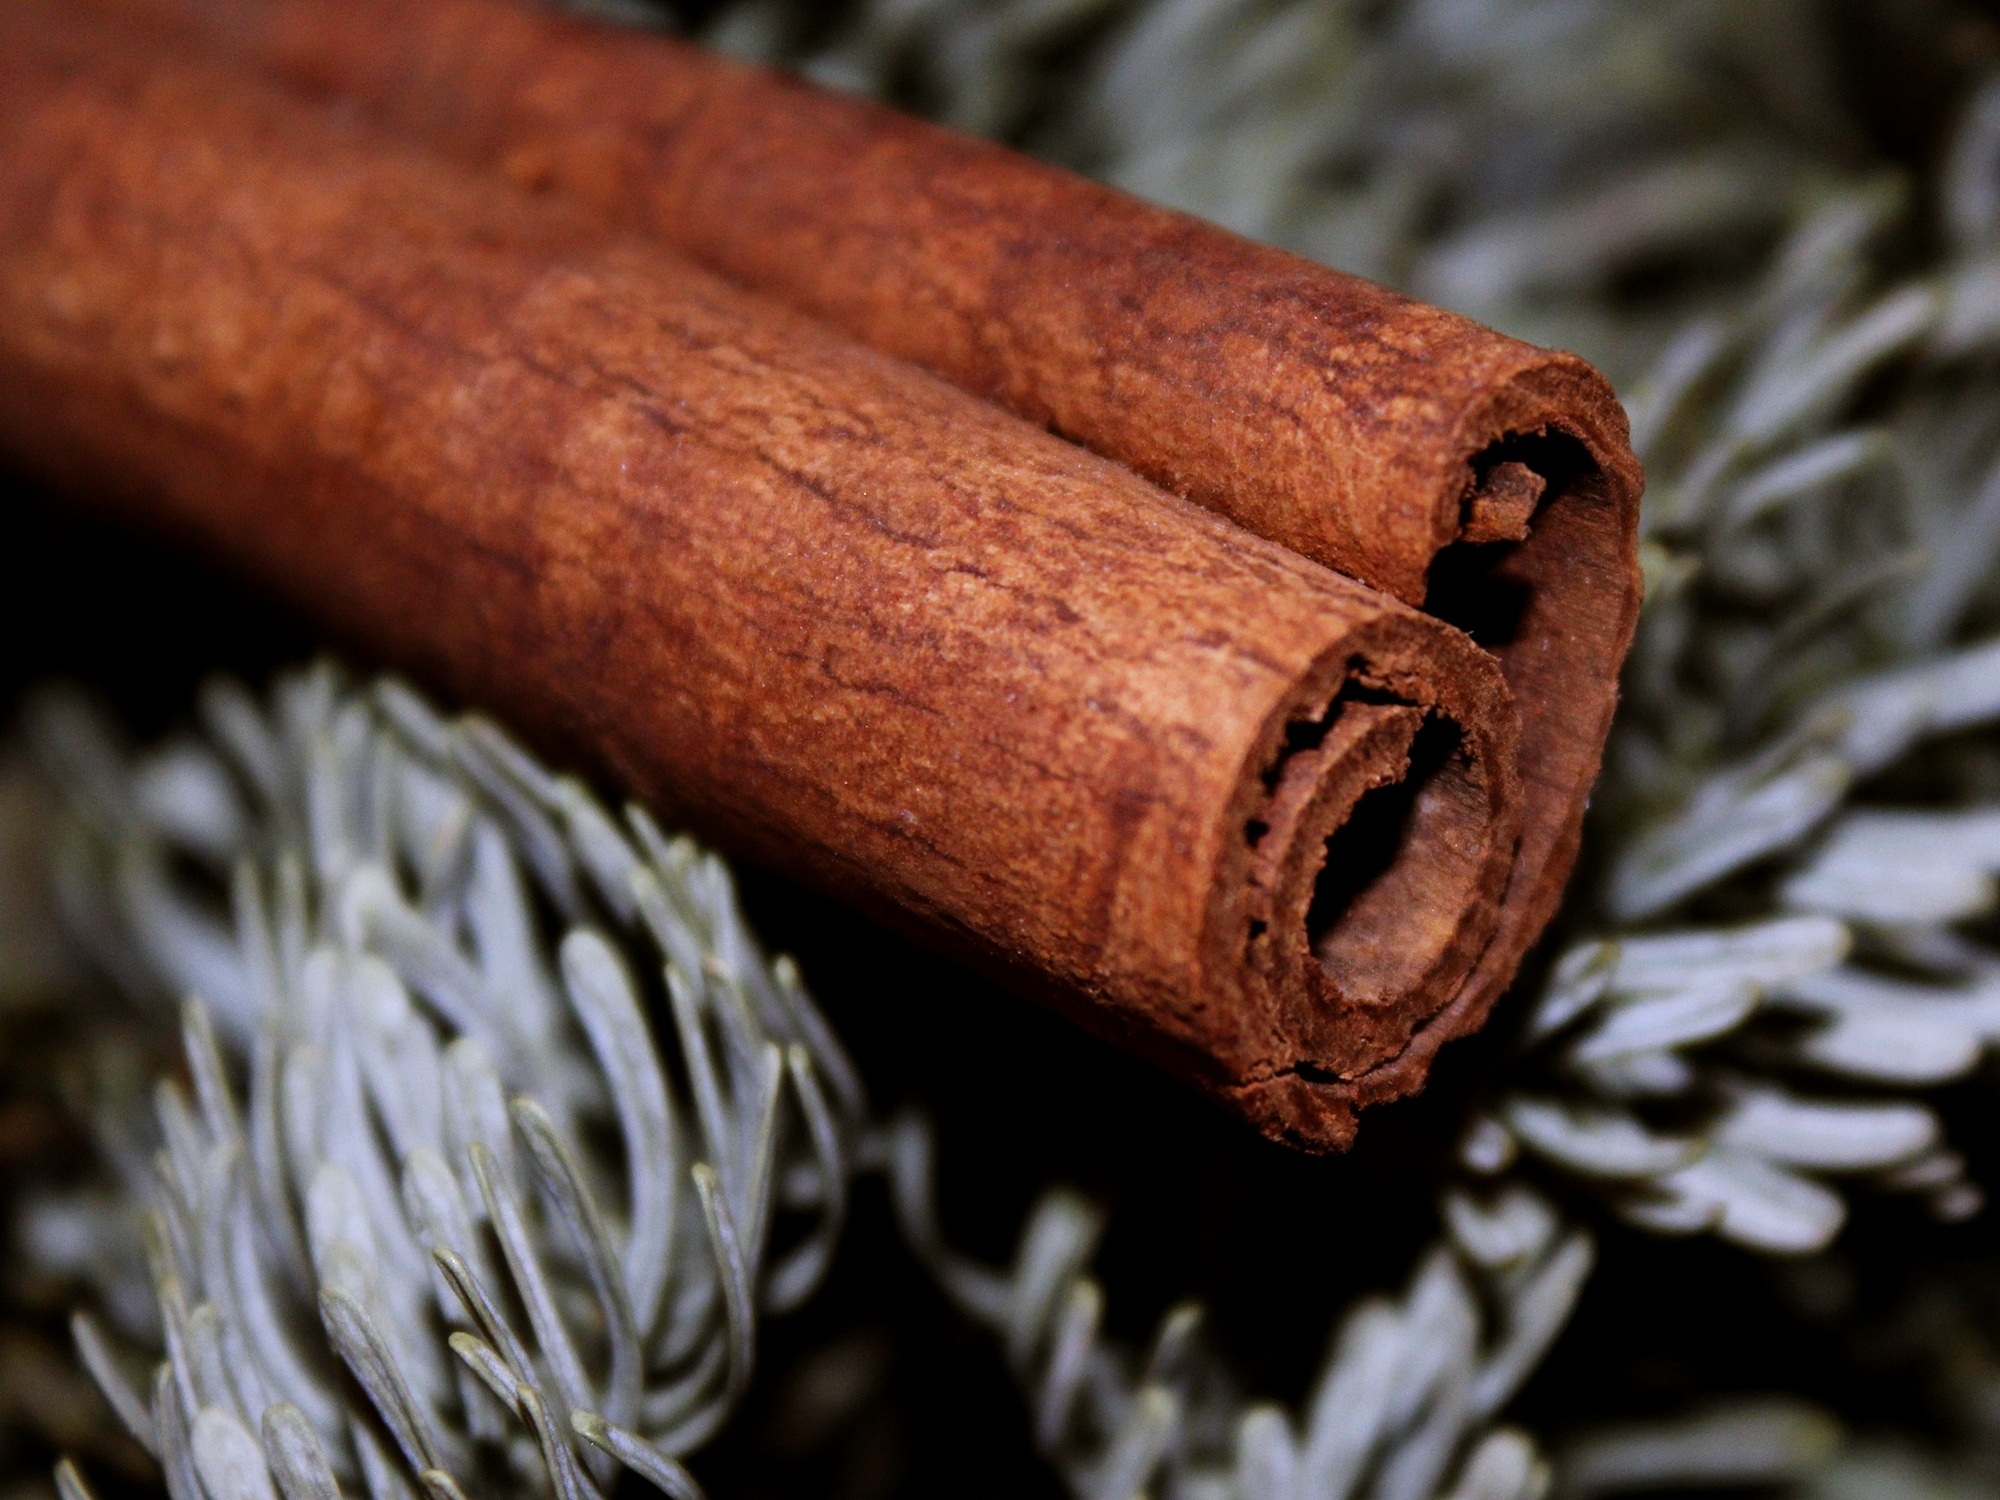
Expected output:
(82, 595)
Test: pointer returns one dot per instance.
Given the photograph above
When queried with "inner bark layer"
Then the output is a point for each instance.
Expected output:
(1377, 869)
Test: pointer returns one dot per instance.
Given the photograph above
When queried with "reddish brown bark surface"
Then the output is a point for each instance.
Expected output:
(1402, 445)
(843, 617)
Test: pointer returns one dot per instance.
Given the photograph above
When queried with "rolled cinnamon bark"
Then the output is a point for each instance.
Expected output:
(1227, 807)
(1482, 479)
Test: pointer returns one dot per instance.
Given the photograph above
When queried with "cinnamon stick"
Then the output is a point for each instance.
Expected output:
(1482, 479)
(841, 616)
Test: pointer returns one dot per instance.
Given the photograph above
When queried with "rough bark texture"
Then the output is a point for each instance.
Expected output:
(1402, 445)
(843, 617)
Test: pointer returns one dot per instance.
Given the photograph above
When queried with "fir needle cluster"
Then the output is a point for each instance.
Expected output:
(425, 952)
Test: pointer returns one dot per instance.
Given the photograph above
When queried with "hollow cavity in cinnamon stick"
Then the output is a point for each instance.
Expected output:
(1484, 479)
(844, 618)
